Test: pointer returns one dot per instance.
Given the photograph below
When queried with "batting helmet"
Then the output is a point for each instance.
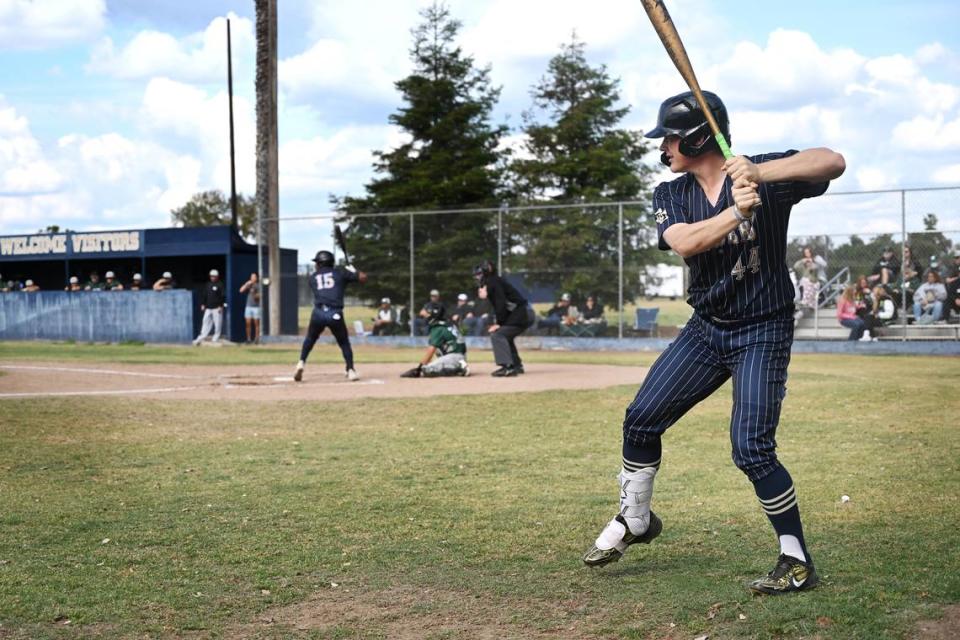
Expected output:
(436, 312)
(323, 258)
(484, 269)
(682, 116)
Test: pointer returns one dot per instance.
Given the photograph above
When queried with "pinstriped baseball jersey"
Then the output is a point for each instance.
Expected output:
(746, 276)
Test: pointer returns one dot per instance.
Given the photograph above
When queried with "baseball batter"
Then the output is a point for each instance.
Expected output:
(328, 284)
(728, 220)
(446, 343)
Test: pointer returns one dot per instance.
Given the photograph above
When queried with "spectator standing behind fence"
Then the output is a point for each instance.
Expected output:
(212, 303)
(847, 314)
(111, 283)
(251, 312)
(928, 299)
(385, 323)
(73, 284)
(886, 270)
(137, 283)
(463, 315)
(808, 269)
(164, 282)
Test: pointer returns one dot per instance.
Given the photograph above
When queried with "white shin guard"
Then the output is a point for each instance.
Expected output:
(636, 490)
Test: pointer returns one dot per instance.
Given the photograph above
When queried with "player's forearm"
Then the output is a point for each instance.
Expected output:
(693, 238)
(810, 165)
(428, 356)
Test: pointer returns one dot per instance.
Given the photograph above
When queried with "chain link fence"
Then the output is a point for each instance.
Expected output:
(608, 252)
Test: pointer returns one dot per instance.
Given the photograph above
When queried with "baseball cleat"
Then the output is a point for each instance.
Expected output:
(519, 369)
(617, 528)
(416, 372)
(298, 374)
(352, 375)
(464, 369)
(789, 575)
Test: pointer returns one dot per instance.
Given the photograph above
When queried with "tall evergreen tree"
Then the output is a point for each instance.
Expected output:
(450, 161)
(578, 154)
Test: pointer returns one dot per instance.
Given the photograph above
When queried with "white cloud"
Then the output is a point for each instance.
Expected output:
(33, 24)
(199, 57)
(331, 64)
(928, 133)
(870, 177)
(949, 175)
(23, 167)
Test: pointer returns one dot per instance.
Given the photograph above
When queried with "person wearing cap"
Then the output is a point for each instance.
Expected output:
(164, 282)
(111, 283)
(94, 284)
(30, 286)
(137, 283)
(212, 302)
(73, 284)
(385, 323)
(420, 324)
(886, 270)
(558, 314)
(463, 315)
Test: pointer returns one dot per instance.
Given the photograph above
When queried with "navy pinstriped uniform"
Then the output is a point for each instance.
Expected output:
(328, 285)
(742, 325)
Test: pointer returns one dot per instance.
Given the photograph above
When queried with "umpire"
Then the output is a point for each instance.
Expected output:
(513, 316)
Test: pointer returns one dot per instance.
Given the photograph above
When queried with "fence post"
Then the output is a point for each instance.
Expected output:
(500, 238)
(410, 314)
(263, 287)
(903, 281)
(620, 268)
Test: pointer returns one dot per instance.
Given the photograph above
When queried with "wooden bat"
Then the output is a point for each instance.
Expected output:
(341, 242)
(663, 23)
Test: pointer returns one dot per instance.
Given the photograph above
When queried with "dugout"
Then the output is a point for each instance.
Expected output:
(50, 259)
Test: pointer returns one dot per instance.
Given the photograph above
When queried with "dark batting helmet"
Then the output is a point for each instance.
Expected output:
(436, 312)
(682, 116)
(323, 258)
(484, 269)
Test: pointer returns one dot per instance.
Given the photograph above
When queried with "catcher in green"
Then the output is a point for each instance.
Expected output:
(445, 340)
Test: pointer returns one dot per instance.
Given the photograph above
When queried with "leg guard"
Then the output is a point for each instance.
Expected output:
(634, 524)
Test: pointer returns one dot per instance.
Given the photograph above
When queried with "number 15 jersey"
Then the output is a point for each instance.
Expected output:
(745, 276)
(328, 284)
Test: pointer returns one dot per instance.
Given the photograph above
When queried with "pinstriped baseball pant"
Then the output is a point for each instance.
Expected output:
(704, 356)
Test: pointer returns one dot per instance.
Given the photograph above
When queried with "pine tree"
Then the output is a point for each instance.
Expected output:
(580, 155)
(450, 161)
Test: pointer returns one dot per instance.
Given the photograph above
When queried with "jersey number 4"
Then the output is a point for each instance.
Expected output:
(753, 264)
(325, 281)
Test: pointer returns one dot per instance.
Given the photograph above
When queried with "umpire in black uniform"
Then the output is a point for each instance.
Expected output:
(513, 316)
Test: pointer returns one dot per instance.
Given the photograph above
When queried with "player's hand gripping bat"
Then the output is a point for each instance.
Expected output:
(667, 31)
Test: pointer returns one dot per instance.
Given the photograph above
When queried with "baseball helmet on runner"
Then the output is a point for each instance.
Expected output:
(682, 116)
(436, 312)
(323, 258)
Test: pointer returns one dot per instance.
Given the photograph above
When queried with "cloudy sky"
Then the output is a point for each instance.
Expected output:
(112, 112)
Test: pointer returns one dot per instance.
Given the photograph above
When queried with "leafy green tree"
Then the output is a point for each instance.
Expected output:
(211, 208)
(576, 152)
(450, 160)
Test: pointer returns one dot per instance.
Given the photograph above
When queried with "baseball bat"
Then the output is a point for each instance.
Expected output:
(663, 24)
(341, 242)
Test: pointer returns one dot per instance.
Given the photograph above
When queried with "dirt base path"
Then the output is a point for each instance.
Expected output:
(275, 382)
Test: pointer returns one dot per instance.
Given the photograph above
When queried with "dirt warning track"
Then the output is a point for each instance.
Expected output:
(275, 382)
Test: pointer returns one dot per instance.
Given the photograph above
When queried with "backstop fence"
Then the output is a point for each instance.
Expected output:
(608, 250)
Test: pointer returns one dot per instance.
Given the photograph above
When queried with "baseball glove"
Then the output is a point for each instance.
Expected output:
(416, 372)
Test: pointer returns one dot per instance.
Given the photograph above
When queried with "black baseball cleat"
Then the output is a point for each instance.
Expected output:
(598, 557)
(416, 372)
(519, 369)
(501, 372)
(789, 575)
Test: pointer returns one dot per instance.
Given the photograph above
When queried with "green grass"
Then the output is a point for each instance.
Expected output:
(217, 512)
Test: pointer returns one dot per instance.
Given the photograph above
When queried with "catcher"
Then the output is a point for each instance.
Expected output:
(445, 339)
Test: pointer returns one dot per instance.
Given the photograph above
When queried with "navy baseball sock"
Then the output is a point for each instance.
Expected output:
(779, 501)
(637, 457)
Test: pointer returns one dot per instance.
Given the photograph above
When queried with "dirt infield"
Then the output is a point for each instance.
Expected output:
(274, 382)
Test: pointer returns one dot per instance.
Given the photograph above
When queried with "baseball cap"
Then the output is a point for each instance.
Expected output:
(109, 274)
(384, 300)
(167, 275)
(28, 283)
(74, 280)
(214, 272)
(462, 296)
(434, 292)
(956, 254)
(565, 297)
(137, 276)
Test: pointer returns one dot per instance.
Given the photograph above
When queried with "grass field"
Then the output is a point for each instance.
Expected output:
(455, 517)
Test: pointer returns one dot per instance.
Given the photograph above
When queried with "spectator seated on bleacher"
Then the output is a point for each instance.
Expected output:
(928, 299)
(809, 270)
(590, 321)
(560, 314)
(884, 308)
(483, 312)
(912, 273)
(850, 316)
(386, 321)
(463, 315)
(886, 270)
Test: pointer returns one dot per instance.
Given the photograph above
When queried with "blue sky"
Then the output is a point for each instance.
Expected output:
(112, 112)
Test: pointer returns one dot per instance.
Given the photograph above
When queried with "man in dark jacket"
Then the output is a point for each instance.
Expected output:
(213, 299)
(513, 315)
